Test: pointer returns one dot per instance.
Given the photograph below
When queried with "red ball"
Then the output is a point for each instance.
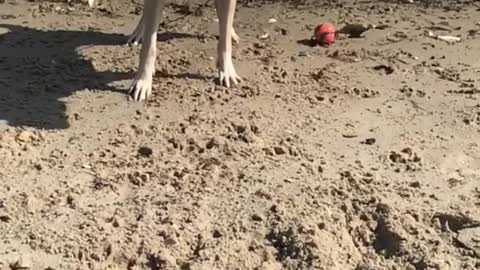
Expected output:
(325, 34)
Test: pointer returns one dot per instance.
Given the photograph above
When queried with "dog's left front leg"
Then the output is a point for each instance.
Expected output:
(226, 70)
(142, 85)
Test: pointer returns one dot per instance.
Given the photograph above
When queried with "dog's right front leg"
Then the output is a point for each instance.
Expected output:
(141, 88)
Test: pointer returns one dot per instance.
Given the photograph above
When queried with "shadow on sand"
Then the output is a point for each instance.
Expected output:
(38, 68)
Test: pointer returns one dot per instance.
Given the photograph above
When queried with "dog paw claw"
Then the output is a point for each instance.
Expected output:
(141, 89)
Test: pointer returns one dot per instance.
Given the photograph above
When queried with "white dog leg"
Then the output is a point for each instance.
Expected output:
(136, 36)
(226, 70)
(141, 88)
(235, 37)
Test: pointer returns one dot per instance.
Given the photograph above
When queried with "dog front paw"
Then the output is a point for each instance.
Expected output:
(141, 89)
(227, 74)
(235, 37)
(136, 36)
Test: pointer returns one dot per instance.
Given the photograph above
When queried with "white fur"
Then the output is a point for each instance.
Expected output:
(136, 36)
(92, 3)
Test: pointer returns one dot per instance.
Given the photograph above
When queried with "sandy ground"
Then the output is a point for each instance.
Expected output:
(364, 155)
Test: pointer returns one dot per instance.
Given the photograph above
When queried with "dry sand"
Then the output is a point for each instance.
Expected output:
(364, 155)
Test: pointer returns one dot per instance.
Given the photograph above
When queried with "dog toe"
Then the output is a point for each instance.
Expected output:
(141, 90)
